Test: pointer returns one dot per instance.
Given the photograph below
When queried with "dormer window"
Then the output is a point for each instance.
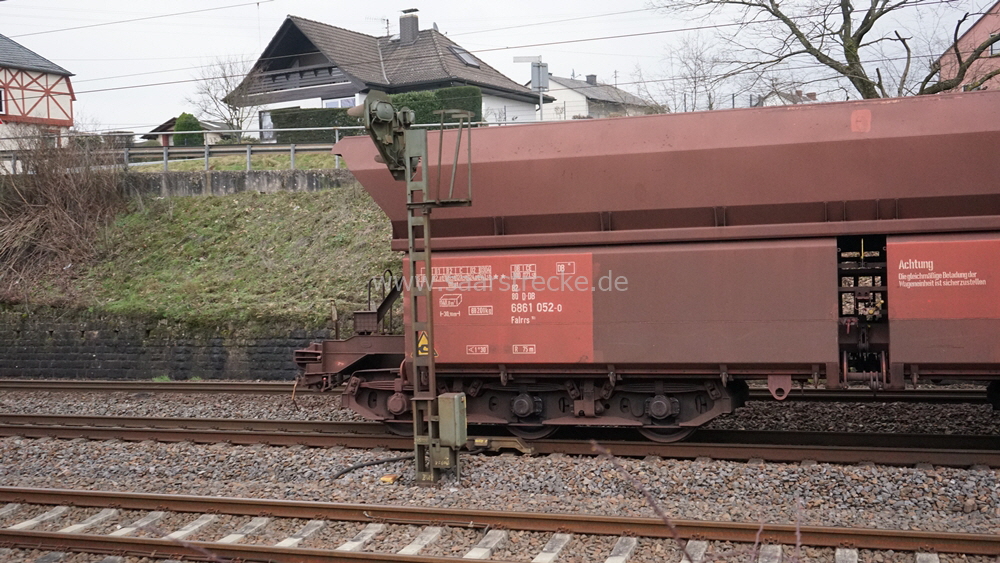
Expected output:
(464, 56)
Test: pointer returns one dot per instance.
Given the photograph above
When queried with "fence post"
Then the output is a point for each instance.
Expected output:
(249, 150)
(166, 151)
(292, 153)
(336, 139)
(207, 151)
(127, 158)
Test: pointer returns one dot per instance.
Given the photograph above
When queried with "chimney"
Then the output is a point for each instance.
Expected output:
(592, 79)
(409, 27)
(798, 93)
(811, 96)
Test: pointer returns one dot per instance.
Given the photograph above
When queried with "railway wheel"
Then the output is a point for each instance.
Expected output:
(400, 427)
(665, 435)
(532, 432)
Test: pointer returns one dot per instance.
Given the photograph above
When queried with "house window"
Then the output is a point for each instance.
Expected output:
(464, 56)
(266, 123)
(339, 103)
(3, 108)
(994, 48)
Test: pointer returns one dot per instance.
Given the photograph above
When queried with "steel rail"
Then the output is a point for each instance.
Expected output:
(255, 388)
(732, 445)
(188, 423)
(744, 532)
(976, 396)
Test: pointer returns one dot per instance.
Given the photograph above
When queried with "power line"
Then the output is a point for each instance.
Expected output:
(145, 18)
(415, 59)
(519, 26)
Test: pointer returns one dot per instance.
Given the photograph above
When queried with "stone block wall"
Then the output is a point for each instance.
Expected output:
(92, 347)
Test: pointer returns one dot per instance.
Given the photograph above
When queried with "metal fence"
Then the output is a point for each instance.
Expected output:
(120, 147)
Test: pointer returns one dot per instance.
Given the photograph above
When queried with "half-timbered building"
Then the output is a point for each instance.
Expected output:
(34, 92)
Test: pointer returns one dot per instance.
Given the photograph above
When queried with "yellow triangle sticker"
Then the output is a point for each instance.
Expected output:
(424, 344)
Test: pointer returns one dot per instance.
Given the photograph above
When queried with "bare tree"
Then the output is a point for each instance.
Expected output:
(859, 42)
(222, 92)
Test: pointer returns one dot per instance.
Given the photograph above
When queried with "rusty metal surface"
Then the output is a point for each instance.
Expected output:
(727, 302)
(702, 234)
(944, 301)
(356, 352)
(188, 423)
(832, 447)
(942, 395)
(369, 435)
(908, 159)
(904, 540)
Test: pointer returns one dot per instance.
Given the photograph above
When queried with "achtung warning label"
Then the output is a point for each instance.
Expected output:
(952, 279)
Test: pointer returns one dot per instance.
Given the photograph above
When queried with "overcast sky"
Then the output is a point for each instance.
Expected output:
(166, 49)
(120, 69)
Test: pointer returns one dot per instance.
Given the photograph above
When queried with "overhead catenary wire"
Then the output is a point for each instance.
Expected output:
(484, 50)
(144, 18)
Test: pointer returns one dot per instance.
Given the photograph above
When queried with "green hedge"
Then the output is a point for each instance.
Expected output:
(469, 98)
(295, 118)
(424, 104)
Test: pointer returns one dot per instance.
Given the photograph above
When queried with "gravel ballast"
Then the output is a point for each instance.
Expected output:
(308, 405)
(863, 496)
(909, 418)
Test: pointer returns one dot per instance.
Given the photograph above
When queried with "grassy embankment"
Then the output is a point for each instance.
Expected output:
(248, 259)
(70, 238)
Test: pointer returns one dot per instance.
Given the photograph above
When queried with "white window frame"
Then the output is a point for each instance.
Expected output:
(994, 48)
(264, 121)
(3, 102)
(346, 102)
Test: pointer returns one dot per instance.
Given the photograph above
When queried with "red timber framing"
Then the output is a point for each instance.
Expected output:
(36, 98)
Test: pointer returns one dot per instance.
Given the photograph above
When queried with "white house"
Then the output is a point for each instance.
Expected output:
(35, 95)
(585, 99)
(210, 132)
(309, 64)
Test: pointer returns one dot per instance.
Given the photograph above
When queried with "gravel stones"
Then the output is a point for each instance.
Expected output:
(821, 494)
(903, 418)
(307, 406)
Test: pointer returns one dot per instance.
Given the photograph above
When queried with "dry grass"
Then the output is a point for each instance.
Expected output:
(50, 216)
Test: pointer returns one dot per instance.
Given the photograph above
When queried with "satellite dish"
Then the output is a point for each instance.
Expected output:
(435, 24)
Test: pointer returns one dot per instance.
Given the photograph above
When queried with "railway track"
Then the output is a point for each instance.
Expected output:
(951, 396)
(27, 509)
(734, 445)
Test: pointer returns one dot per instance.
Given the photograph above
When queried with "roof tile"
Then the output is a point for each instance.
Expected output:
(15, 55)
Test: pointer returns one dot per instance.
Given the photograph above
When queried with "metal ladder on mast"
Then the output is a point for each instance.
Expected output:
(430, 455)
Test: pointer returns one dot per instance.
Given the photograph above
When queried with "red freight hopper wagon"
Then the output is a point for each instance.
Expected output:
(637, 271)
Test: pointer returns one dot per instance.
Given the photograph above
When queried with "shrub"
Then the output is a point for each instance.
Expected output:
(51, 213)
(188, 122)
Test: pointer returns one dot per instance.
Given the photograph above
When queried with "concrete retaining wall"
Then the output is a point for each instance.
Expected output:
(231, 182)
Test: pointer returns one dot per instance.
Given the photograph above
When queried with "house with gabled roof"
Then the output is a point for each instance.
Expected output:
(585, 99)
(309, 64)
(34, 91)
